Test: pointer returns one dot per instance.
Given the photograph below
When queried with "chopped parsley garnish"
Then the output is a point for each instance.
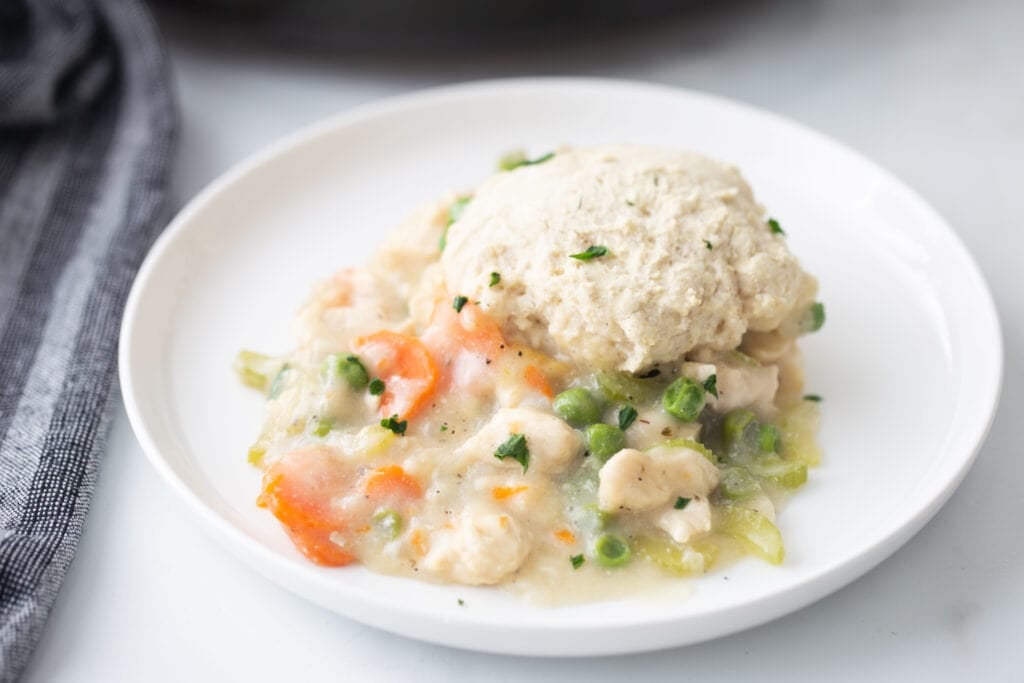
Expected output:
(813, 398)
(577, 561)
(591, 253)
(711, 385)
(462, 603)
(681, 503)
(514, 160)
(626, 417)
(458, 303)
(393, 423)
(707, 245)
(495, 279)
(376, 387)
(444, 428)
(515, 447)
(454, 213)
(774, 226)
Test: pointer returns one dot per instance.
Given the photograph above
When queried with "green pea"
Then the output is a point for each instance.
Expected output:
(578, 407)
(814, 318)
(611, 550)
(388, 522)
(684, 399)
(768, 439)
(604, 441)
(349, 368)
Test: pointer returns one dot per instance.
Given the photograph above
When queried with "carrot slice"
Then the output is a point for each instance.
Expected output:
(470, 329)
(536, 379)
(406, 367)
(298, 490)
(504, 492)
(565, 536)
(391, 481)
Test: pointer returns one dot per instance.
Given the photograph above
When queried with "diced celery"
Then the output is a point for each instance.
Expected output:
(687, 443)
(738, 484)
(323, 427)
(388, 523)
(373, 440)
(799, 425)
(735, 425)
(683, 560)
(256, 453)
(624, 387)
(788, 474)
(256, 369)
(753, 530)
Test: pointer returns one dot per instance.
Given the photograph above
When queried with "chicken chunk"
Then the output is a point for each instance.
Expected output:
(635, 481)
(552, 443)
(690, 522)
(738, 385)
(483, 548)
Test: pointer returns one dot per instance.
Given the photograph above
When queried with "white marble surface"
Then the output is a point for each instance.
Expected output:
(932, 90)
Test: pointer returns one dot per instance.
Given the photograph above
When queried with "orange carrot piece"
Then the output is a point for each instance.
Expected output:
(298, 491)
(536, 379)
(391, 481)
(565, 536)
(406, 367)
(505, 492)
(418, 541)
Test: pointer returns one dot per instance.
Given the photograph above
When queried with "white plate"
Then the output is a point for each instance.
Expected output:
(909, 363)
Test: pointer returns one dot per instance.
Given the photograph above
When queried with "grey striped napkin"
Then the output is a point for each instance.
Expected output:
(87, 126)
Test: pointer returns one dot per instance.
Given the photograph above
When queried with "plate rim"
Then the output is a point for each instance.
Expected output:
(266, 561)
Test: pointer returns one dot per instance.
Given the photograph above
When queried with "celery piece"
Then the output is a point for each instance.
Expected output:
(388, 523)
(768, 439)
(256, 369)
(349, 368)
(798, 426)
(623, 387)
(323, 427)
(752, 529)
(255, 455)
(738, 484)
(787, 474)
(735, 425)
(687, 443)
(683, 560)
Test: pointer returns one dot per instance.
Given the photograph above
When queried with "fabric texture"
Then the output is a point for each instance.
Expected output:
(87, 129)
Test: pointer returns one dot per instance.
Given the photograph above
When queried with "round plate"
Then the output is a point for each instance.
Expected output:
(909, 363)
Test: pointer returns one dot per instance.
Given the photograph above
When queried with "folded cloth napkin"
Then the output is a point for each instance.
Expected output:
(87, 127)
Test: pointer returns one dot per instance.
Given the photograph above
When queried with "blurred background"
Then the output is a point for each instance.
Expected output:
(933, 90)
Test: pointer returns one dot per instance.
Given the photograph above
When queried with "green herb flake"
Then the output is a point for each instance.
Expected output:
(515, 447)
(376, 387)
(454, 213)
(774, 226)
(630, 203)
(514, 160)
(626, 417)
(707, 245)
(711, 385)
(591, 253)
(462, 603)
(458, 303)
(444, 428)
(681, 503)
(576, 561)
(495, 279)
(396, 426)
(813, 398)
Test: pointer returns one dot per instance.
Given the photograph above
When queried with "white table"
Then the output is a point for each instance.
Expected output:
(932, 90)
